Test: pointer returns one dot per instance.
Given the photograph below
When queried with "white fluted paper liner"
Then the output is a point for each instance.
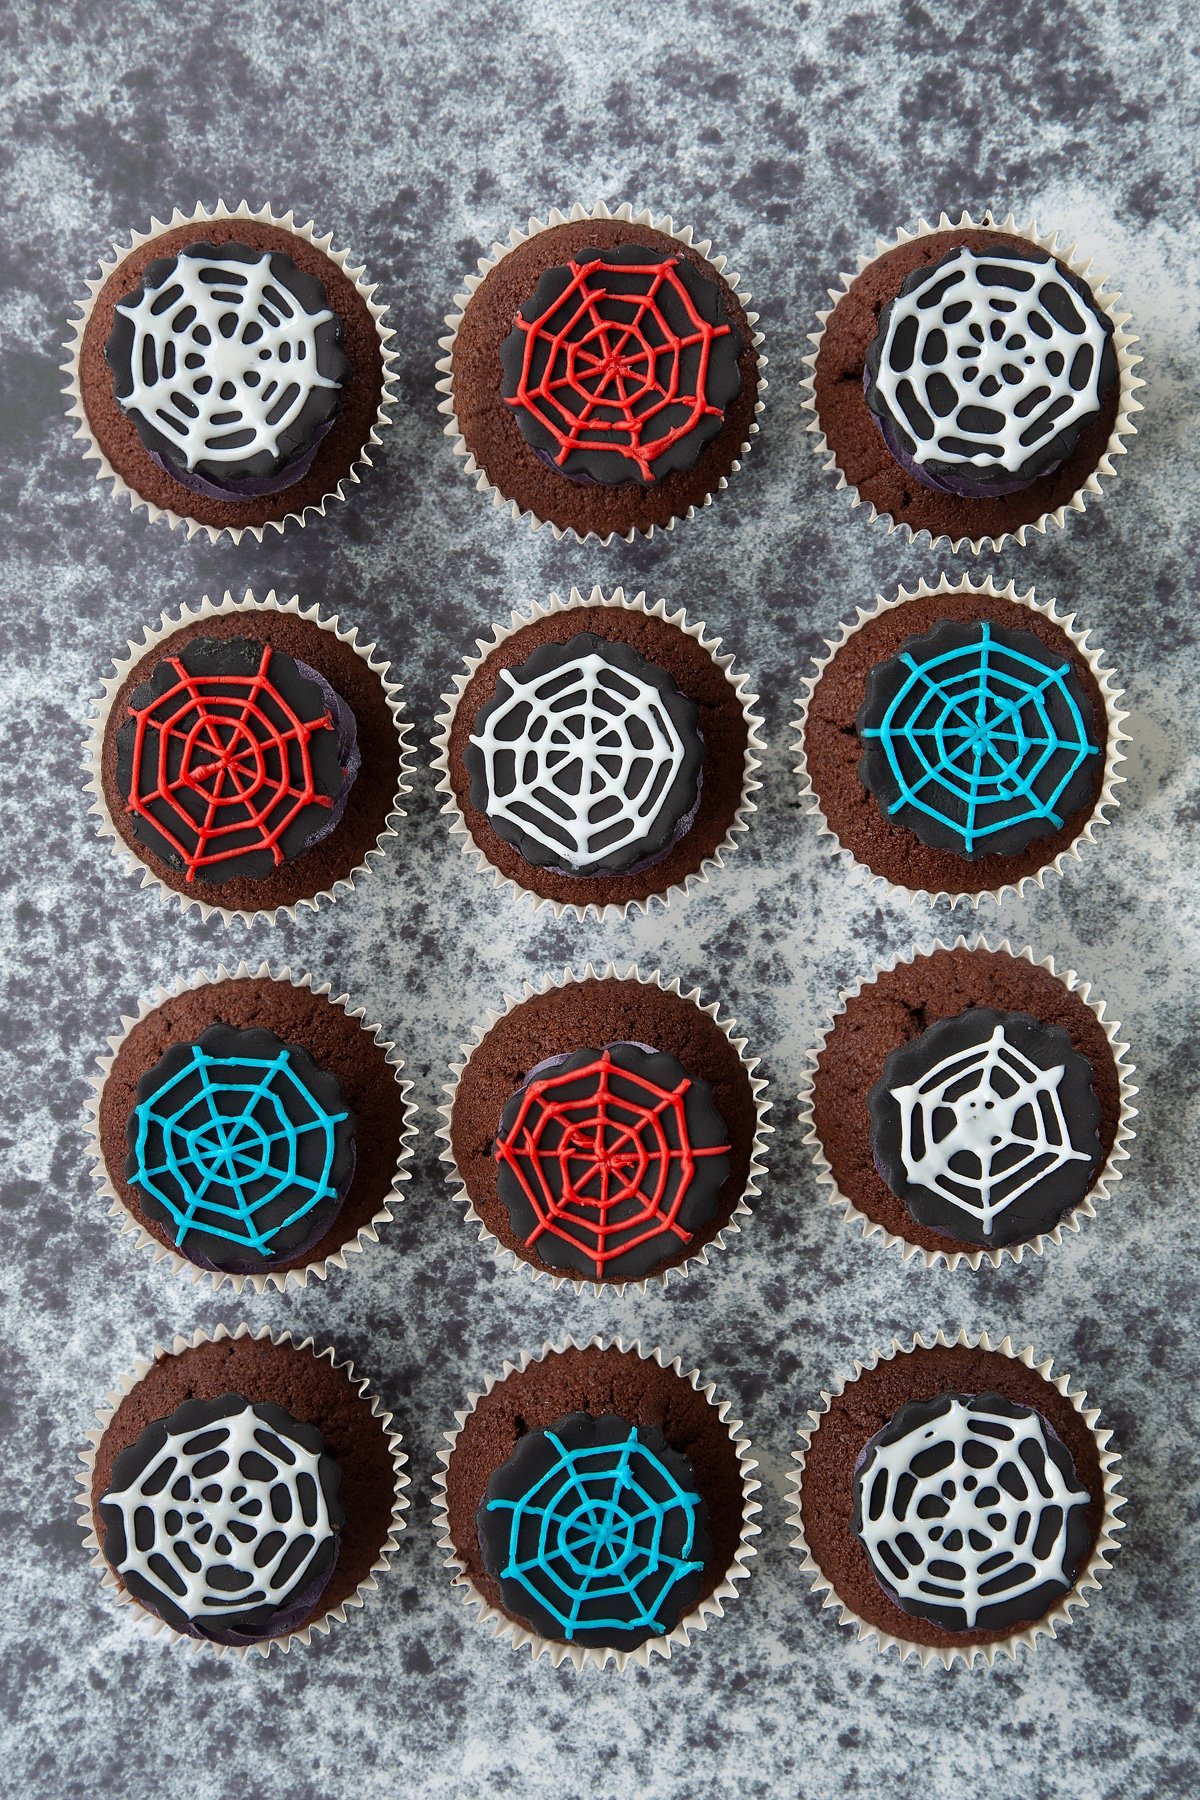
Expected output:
(594, 1656)
(1114, 754)
(1089, 1575)
(281, 1279)
(152, 637)
(658, 1278)
(1107, 299)
(611, 912)
(156, 1627)
(1072, 1221)
(445, 363)
(200, 217)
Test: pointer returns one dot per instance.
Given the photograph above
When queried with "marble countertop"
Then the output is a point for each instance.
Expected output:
(790, 134)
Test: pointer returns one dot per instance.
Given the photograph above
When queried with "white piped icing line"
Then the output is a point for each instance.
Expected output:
(1107, 300)
(184, 1524)
(445, 363)
(322, 1624)
(957, 343)
(751, 760)
(564, 763)
(967, 1534)
(222, 395)
(1087, 1578)
(199, 217)
(1071, 1221)
(993, 1107)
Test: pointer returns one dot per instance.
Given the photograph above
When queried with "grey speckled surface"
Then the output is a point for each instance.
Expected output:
(790, 133)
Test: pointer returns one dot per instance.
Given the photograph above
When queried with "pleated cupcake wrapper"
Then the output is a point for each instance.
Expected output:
(200, 217)
(592, 1656)
(154, 637)
(1088, 1579)
(1114, 754)
(1107, 1179)
(1123, 341)
(281, 1279)
(365, 1590)
(445, 364)
(658, 1278)
(610, 912)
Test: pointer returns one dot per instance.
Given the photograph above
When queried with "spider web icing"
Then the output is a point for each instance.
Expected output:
(621, 364)
(595, 1531)
(587, 758)
(988, 365)
(970, 1511)
(977, 738)
(242, 1145)
(610, 1161)
(230, 761)
(228, 357)
(223, 1518)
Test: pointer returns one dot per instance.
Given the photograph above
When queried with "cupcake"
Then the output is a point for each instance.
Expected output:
(961, 741)
(969, 1105)
(243, 1491)
(973, 381)
(606, 1130)
(595, 1504)
(955, 1501)
(599, 754)
(251, 1129)
(249, 757)
(602, 374)
(230, 371)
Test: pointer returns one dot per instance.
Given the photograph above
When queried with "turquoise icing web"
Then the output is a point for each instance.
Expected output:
(587, 1541)
(224, 1140)
(983, 738)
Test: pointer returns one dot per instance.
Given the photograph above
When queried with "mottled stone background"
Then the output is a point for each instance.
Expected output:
(791, 134)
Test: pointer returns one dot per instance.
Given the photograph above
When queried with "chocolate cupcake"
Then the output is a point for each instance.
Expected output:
(599, 754)
(596, 1504)
(243, 1491)
(251, 1129)
(955, 1501)
(969, 1105)
(606, 1130)
(249, 757)
(602, 374)
(230, 371)
(961, 741)
(972, 381)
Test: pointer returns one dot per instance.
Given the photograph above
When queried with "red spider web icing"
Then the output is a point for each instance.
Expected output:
(233, 747)
(604, 1170)
(601, 377)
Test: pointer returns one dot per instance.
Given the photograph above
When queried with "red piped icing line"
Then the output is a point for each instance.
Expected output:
(610, 1150)
(613, 366)
(236, 757)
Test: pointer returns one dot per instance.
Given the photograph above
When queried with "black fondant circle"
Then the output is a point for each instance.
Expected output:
(195, 1420)
(664, 1157)
(178, 1087)
(1055, 1185)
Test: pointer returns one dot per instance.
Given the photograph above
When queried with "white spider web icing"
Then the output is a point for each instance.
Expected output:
(983, 1126)
(580, 759)
(224, 358)
(214, 1542)
(979, 370)
(967, 1510)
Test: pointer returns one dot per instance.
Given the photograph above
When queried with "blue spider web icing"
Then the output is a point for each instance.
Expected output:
(225, 1138)
(602, 1537)
(982, 738)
